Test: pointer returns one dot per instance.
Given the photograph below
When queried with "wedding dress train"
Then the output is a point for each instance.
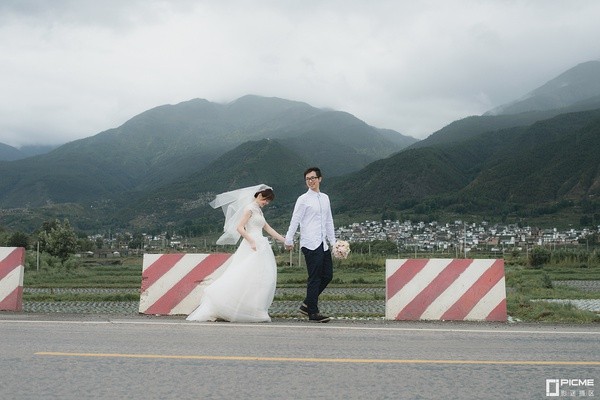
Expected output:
(245, 290)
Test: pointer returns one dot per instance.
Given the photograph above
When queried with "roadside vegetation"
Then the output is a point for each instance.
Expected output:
(531, 280)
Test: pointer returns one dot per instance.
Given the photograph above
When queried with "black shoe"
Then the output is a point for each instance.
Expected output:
(304, 309)
(318, 318)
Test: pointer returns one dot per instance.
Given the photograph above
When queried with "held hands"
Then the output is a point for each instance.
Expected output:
(287, 246)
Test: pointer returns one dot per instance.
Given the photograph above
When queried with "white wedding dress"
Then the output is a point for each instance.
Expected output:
(245, 290)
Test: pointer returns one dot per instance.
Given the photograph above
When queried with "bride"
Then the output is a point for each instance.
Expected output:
(245, 291)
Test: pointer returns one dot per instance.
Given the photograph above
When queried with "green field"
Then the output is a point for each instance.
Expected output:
(525, 285)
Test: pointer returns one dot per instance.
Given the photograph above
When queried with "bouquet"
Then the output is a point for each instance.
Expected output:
(341, 249)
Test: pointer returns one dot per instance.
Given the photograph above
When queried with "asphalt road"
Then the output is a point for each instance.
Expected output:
(140, 357)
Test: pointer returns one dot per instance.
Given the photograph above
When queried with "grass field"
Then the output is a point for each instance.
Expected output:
(525, 286)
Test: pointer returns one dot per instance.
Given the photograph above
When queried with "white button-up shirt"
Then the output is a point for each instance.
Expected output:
(312, 213)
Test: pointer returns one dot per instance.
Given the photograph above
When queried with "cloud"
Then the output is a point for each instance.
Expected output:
(70, 69)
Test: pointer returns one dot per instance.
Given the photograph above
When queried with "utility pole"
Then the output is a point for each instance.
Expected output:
(465, 243)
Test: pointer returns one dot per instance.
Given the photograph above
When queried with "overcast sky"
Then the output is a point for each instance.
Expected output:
(73, 68)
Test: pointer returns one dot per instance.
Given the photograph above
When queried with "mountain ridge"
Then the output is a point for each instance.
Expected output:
(520, 168)
(574, 85)
(160, 168)
(169, 142)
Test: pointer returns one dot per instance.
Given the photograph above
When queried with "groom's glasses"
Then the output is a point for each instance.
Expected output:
(311, 178)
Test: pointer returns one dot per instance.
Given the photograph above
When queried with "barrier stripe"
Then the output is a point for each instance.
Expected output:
(158, 268)
(439, 284)
(488, 303)
(11, 282)
(173, 284)
(446, 289)
(12, 265)
(12, 301)
(453, 293)
(402, 275)
(498, 313)
(473, 294)
(427, 271)
(182, 288)
(10, 258)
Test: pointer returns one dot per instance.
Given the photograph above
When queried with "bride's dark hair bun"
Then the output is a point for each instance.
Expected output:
(267, 194)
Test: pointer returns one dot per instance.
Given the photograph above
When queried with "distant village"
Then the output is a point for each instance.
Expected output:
(457, 238)
(460, 236)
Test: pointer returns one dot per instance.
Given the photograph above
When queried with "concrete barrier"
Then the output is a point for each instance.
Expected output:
(172, 284)
(12, 266)
(445, 289)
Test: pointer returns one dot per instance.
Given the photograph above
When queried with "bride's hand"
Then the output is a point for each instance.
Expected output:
(252, 244)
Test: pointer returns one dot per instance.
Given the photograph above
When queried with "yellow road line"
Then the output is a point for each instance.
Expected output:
(318, 360)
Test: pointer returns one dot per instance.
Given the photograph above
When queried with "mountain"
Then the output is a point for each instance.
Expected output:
(400, 180)
(533, 156)
(546, 163)
(9, 153)
(550, 161)
(578, 89)
(160, 169)
(575, 85)
(336, 142)
(264, 161)
(170, 142)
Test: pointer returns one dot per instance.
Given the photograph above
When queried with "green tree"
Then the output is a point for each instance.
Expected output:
(18, 239)
(58, 239)
(44, 231)
(136, 242)
(85, 244)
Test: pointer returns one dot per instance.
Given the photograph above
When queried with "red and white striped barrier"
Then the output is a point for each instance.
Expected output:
(172, 284)
(445, 289)
(12, 265)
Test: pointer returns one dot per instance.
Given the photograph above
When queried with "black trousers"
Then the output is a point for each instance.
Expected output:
(319, 266)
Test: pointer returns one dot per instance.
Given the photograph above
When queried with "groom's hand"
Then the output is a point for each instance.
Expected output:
(289, 247)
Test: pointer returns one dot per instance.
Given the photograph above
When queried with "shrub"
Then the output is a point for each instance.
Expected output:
(538, 257)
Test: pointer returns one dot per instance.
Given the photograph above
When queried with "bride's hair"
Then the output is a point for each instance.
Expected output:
(267, 194)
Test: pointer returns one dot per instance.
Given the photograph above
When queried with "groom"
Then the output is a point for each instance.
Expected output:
(312, 213)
